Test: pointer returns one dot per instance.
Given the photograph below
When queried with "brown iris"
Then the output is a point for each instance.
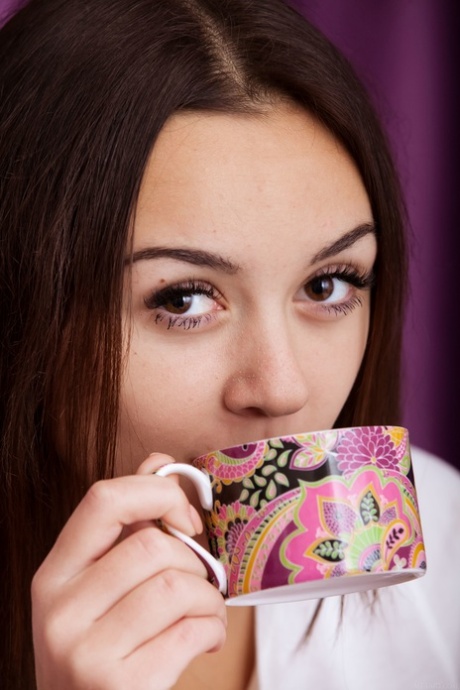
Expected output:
(320, 288)
(178, 305)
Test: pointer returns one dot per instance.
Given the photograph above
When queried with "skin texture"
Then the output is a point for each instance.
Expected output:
(267, 194)
(248, 354)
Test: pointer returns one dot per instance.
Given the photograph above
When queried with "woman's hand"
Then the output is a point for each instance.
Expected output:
(118, 603)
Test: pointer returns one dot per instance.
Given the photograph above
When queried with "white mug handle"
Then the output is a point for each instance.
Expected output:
(202, 484)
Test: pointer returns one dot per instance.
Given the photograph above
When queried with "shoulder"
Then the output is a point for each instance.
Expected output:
(438, 491)
(432, 468)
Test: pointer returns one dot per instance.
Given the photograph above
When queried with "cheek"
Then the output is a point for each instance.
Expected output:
(166, 396)
(352, 355)
(338, 366)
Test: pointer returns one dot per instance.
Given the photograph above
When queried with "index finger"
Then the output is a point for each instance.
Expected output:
(106, 509)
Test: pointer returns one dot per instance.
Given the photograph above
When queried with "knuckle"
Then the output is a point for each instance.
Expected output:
(100, 493)
(90, 666)
(84, 670)
(43, 586)
(171, 585)
(150, 542)
(53, 630)
(189, 633)
(37, 587)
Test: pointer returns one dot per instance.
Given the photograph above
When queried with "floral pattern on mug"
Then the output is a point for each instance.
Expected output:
(233, 464)
(370, 446)
(255, 562)
(227, 522)
(314, 449)
(314, 506)
(361, 524)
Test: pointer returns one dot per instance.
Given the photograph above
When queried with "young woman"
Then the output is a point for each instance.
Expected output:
(202, 244)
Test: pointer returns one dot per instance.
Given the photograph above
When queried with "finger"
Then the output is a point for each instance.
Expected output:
(138, 558)
(108, 506)
(154, 606)
(178, 645)
(151, 465)
(159, 662)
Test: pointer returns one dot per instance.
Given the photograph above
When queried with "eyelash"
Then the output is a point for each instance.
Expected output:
(158, 299)
(363, 280)
(191, 287)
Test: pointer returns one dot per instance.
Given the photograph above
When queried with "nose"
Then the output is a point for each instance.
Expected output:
(267, 377)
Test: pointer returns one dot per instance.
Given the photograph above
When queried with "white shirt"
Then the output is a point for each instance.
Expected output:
(409, 641)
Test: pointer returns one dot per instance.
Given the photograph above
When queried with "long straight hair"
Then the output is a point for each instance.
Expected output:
(85, 88)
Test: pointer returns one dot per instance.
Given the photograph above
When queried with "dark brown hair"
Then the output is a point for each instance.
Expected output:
(85, 88)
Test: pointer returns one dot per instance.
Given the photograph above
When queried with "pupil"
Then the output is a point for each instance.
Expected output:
(321, 288)
(179, 304)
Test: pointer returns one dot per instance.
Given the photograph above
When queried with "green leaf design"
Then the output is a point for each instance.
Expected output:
(331, 551)
(283, 458)
(254, 500)
(267, 470)
(271, 454)
(405, 464)
(260, 481)
(281, 478)
(247, 483)
(271, 490)
(244, 495)
(276, 443)
(369, 508)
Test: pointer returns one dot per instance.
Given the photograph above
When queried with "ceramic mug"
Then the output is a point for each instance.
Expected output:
(309, 515)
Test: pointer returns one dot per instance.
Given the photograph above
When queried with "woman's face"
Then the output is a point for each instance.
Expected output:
(248, 301)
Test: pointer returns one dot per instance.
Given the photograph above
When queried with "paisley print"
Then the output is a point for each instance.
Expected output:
(315, 506)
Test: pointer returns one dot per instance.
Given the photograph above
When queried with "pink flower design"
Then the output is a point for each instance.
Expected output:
(339, 527)
(367, 446)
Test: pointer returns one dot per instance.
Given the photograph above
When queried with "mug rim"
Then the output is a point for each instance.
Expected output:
(301, 433)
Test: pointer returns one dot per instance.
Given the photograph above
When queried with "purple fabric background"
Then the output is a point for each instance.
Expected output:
(404, 52)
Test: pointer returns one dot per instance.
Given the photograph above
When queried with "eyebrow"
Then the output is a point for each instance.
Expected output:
(344, 242)
(199, 257)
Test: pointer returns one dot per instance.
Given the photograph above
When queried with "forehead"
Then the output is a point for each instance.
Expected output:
(231, 178)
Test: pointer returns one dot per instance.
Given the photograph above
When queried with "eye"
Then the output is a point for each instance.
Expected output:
(326, 288)
(184, 300)
(336, 290)
(186, 303)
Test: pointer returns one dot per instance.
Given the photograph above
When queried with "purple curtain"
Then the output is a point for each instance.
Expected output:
(7, 7)
(404, 52)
